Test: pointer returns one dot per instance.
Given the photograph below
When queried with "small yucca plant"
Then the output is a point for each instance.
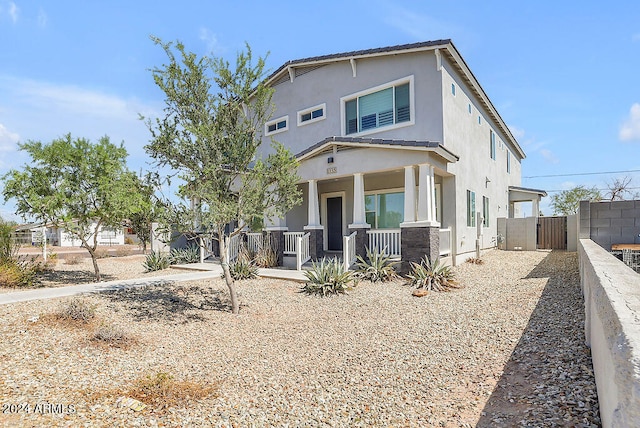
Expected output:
(377, 268)
(156, 261)
(327, 277)
(430, 276)
(243, 267)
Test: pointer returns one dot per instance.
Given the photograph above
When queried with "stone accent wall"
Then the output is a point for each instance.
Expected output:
(316, 243)
(416, 242)
(362, 241)
(277, 240)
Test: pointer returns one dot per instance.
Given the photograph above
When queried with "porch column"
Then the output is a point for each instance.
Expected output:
(359, 225)
(426, 196)
(409, 194)
(315, 229)
(535, 207)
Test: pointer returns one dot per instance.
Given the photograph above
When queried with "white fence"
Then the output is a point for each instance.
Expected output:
(445, 241)
(290, 241)
(255, 242)
(302, 250)
(349, 250)
(385, 240)
(233, 247)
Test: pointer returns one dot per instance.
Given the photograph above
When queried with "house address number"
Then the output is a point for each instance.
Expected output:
(332, 170)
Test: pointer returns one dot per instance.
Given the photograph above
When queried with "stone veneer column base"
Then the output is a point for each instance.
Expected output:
(277, 242)
(362, 240)
(316, 242)
(416, 242)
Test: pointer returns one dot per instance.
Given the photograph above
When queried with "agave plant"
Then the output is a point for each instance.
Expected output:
(430, 276)
(377, 268)
(327, 277)
(243, 267)
(156, 261)
(189, 254)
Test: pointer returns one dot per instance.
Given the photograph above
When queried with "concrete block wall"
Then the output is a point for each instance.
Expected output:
(608, 223)
(518, 233)
(612, 331)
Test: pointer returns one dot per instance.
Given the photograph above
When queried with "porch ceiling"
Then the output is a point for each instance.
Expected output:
(523, 194)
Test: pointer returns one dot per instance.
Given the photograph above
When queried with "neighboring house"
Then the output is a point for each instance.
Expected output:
(400, 145)
(60, 237)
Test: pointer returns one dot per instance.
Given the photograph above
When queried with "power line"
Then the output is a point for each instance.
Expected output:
(583, 173)
(601, 190)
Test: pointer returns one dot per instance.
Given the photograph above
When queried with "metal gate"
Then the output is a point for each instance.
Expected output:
(552, 233)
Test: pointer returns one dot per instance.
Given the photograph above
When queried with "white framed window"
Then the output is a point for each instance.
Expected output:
(485, 211)
(384, 209)
(471, 208)
(275, 126)
(479, 120)
(492, 138)
(312, 114)
(386, 106)
(508, 161)
(453, 89)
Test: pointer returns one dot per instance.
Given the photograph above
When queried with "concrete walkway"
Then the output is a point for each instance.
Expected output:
(196, 271)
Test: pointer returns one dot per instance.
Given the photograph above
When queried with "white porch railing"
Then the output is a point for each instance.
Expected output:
(255, 242)
(290, 243)
(445, 241)
(233, 247)
(387, 240)
(349, 250)
(302, 250)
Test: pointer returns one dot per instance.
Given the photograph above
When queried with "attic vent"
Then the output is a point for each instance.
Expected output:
(305, 70)
(282, 79)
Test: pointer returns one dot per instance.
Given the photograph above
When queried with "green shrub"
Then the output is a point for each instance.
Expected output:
(156, 261)
(327, 277)
(77, 309)
(243, 268)
(17, 274)
(190, 254)
(8, 246)
(434, 276)
(377, 268)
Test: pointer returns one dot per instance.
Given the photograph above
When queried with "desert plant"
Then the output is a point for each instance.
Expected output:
(111, 335)
(17, 274)
(189, 254)
(72, 260)
(101, 253)
(8, 246)
(377, 268)
(243, 267)
(77, 309)
(430, 276)
(156, 261)
(327, 277)
(162, 390)
(123, 252)
(266, 257)
(128, 240)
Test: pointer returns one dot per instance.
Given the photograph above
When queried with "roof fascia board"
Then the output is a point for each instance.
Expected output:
(439, 150)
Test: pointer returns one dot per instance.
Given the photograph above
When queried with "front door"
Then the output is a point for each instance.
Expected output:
(334, 223)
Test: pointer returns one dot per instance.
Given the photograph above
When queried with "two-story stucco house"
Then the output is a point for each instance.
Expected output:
(400, 145)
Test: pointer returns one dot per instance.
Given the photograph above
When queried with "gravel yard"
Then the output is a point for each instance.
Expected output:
(505, 350)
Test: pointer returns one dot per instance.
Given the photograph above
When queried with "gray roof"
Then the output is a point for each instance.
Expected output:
(528, 190)
(363, 52)
(380, 141)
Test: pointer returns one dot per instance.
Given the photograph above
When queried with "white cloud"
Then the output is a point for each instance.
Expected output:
(630, 128)
(8, 139)
(13, 11)
(211, 41)
(549, 156)
(42, 18)
(418, 26)
(517, 132)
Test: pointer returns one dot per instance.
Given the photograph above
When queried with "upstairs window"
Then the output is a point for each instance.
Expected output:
(492, 137)
(508, 161)
(312, 114)
(378, 108)
(277, 125)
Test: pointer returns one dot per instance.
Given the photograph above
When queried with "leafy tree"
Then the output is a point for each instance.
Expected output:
(72, 183)
(210, 134)
(143, 210)
(567, 202)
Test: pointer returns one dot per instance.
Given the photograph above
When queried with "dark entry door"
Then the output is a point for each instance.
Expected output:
(334, 224)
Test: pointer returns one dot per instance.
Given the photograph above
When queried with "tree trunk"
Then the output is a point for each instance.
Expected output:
(235, 306)
(96, 269)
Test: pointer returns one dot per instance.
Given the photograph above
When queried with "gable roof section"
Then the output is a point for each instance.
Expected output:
(444, 46)
(359, 142)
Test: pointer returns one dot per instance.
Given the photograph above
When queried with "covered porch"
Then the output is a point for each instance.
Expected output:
(386, 196)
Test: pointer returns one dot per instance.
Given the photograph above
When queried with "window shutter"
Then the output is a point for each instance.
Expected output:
(402, 103)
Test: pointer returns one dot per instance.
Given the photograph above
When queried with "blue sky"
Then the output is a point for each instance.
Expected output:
(563, 77)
